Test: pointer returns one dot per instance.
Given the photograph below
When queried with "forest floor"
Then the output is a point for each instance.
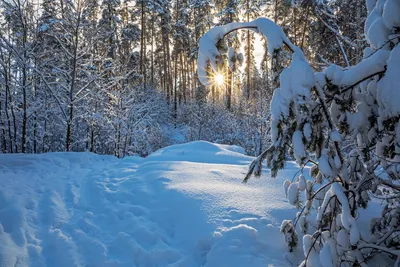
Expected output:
(184, 205)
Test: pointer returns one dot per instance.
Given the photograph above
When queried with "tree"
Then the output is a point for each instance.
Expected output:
(359, 109)
(19, 16)
(229, 13)
(251, 11)
(71, 73)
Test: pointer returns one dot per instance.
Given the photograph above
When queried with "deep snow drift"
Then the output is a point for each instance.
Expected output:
(183, 205)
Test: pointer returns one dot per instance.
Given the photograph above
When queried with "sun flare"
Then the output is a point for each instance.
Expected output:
(219, 79)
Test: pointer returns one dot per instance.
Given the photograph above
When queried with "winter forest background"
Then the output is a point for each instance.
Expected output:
(119, 77)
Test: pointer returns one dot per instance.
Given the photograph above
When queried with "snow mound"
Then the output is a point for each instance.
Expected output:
(202, 151)
(184, 205)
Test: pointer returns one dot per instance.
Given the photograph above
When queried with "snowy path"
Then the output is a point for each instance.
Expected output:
(184, 205)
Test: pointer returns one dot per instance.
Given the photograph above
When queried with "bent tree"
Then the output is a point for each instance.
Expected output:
(345, 124)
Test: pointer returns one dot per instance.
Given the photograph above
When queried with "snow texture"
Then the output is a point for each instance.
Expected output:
(323, 164)
(298, 146)
(183, 205)
(335, 136)
(367, 67)
(391, 13)
(388, 93)
(231, 57)
(293, 194)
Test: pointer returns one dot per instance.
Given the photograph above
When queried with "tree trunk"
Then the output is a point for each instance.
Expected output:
(7, 102)
(305, 28)
(68, 138)
(3, 130)
(14, 123)
(175, 87)
(152, 50)
(24, 78)
(183, 74)
(229, 89)
(143, 45)
(248, 89)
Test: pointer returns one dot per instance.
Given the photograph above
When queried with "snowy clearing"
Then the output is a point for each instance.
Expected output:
(183, 205)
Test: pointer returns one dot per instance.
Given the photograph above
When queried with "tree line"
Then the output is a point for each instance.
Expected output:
(118, 77)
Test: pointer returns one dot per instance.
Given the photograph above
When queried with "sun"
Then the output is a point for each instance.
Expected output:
(219, 79)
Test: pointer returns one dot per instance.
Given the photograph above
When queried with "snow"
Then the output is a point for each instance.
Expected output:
(302, 183)
(371, 87)
(293, 194)
(388, 93)
(346, 219)
(184, 205)
(231, 58)
(325, 256)
(391, 13)
(278, 110)
(373, 64)
(296, 80)
(378, 33)
(382, 21)
(323, 164)
(324, 205)
(208, 45)
(335, 74)
(307, 130)
(354, 233)
(286, 185)
(374, 14)
(309, 248)
(342, 240)
(320, 79)
(335, 136)
(273, 33)
(298, 147)
(208, 51)
(302, 223)
(370, 4)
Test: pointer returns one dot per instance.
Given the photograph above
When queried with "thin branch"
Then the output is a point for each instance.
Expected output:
(345, 39)
(383, 249)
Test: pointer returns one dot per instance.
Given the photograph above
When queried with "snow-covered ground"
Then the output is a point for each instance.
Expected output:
(184, 205)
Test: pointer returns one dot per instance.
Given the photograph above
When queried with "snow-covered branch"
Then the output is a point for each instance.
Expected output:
(208, 53)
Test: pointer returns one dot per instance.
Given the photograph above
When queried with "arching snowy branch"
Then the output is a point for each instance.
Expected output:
(208, 45)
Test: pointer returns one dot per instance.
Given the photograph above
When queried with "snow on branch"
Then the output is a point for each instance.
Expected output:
(208, 45)
(312, 116)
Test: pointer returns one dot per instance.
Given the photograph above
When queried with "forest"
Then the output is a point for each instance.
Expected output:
(120, 77)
